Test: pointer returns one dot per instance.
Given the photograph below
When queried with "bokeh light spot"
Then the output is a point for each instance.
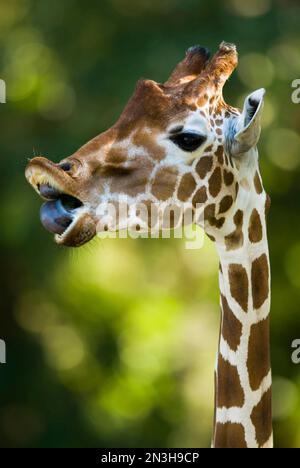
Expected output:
(285, 397)
(249, 8)
(292, 263)
(283, 148)
(256, 70)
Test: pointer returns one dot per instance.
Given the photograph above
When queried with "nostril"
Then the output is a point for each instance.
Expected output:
(66, 166)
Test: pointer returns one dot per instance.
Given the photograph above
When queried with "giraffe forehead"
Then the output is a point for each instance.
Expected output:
(159, 105)
(151, 103)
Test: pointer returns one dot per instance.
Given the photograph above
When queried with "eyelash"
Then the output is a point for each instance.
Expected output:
(188, 141)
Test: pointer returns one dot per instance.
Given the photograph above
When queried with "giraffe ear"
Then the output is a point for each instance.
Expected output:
(248, 125)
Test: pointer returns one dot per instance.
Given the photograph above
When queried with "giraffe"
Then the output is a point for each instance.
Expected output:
(180, 142)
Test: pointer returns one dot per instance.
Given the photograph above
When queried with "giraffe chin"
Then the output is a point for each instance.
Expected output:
(80, 232)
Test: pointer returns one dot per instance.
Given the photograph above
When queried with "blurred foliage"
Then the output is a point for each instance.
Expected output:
(114, 344)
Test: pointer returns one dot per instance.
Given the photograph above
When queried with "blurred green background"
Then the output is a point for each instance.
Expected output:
(114, 344)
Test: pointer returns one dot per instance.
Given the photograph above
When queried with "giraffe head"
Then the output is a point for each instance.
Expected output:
(176, 142)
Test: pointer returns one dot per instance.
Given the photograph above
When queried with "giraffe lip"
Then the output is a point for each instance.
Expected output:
(81, 230)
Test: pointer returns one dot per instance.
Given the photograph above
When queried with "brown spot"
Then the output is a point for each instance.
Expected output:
(147, 140)
(229, 390)
(260, 281)
(258, 184)
(228, 178)
(164, 184)
(239, 285)
(210, 216)
(255, 227)
(219, 122)
(200, 196)
(267, 205)
(220, 155)
(235, 240)
(261, 418)
(225, 204)
(232, 327)
(115, 156)
(211, 238)
(209, 149)
(187, 187)
(210, 212)
(230, 435)
(215, 182)
(193, 107)
(259, 353)
(204, 166)
(134, 182)
(202, 101)
(220, 223)
(219, 131)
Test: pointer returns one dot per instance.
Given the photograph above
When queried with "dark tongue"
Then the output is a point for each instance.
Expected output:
(54, 217)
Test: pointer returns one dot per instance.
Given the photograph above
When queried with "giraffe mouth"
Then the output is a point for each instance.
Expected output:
(63, 213)
(58, 213)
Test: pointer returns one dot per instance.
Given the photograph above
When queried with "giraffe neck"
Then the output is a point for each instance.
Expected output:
(243, 371)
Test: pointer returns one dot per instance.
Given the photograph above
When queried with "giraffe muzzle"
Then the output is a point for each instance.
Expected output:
(63, 213)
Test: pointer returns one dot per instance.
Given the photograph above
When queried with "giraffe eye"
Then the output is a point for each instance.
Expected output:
(188, 141)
